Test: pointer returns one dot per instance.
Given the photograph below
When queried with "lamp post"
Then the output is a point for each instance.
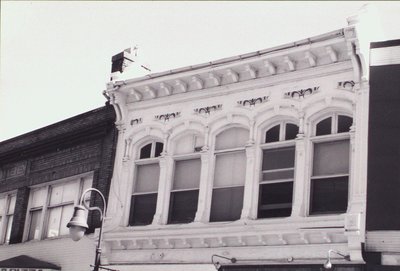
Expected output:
(77, 225)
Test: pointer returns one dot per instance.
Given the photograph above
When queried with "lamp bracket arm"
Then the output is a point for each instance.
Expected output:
(95, 208)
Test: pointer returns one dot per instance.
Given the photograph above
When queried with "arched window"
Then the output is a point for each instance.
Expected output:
(144, 196)
(186, 180)
(229, 175)
(281, 132)
(276, 183)
(331, 160)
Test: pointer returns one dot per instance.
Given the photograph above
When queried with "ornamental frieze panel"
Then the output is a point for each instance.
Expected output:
(136, 121)
(67, 156)
(301, 93)
(207, 109)
(13, 170)
(167, 116)
(253, 101)
(346, 85)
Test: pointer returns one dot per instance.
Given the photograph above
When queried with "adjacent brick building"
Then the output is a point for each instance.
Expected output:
(383, 201)
(42, 175)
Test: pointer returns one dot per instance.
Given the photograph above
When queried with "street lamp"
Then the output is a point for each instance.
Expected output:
(77, 225)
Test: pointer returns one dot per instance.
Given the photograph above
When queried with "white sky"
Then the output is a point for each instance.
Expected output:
(56, 56)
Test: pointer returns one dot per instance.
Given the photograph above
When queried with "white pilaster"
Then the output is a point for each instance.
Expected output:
(249, 183)
(300, 182)
(164, 190)
(205, 189)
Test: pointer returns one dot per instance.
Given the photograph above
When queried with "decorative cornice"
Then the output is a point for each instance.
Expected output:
(198, 82)
(136, 121)
(208, 109)
(150, 91)
(252, 71)
(207, 92)
(166, 88)
(180, 85)
(271, 67)
(233, 75)
(302, 93)
(253, 101)
(346, 85)
(136, 94)
(166, 117)
(290, 63)
(332, 54)
(312, 59)
(214, 78)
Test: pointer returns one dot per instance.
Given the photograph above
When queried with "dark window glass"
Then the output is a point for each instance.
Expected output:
(324, 127)
(159, 149)
(276, 193)
(344, 124)
(278, 158)
(270, 213)
(291, 131)
(143, 208)
(183, 206)
(272, 135)
(275, 200)
(329, 195)
(227, 204)
(145, 152)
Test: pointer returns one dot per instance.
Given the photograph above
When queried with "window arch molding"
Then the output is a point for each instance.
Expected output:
(286, 107)
(142, 130)
(174, 139)
(225, 118)
(216, 132)
(143, 135)
(226, 121)
(339, 98)
(195, 123)
(315, 111)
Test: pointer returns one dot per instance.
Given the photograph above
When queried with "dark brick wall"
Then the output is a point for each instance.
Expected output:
(20, 210)
(383, 187)
(84, 143)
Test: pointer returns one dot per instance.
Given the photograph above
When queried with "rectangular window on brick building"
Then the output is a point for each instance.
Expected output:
(7, 206)
(51, 207)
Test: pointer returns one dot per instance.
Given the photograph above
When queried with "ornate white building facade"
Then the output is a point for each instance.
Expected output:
(259, 157)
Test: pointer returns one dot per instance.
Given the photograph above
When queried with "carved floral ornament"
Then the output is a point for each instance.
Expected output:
(346, 85)
(136, 121)
(253, 101)
(208, 109)
(302, 93)
(166, 117)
